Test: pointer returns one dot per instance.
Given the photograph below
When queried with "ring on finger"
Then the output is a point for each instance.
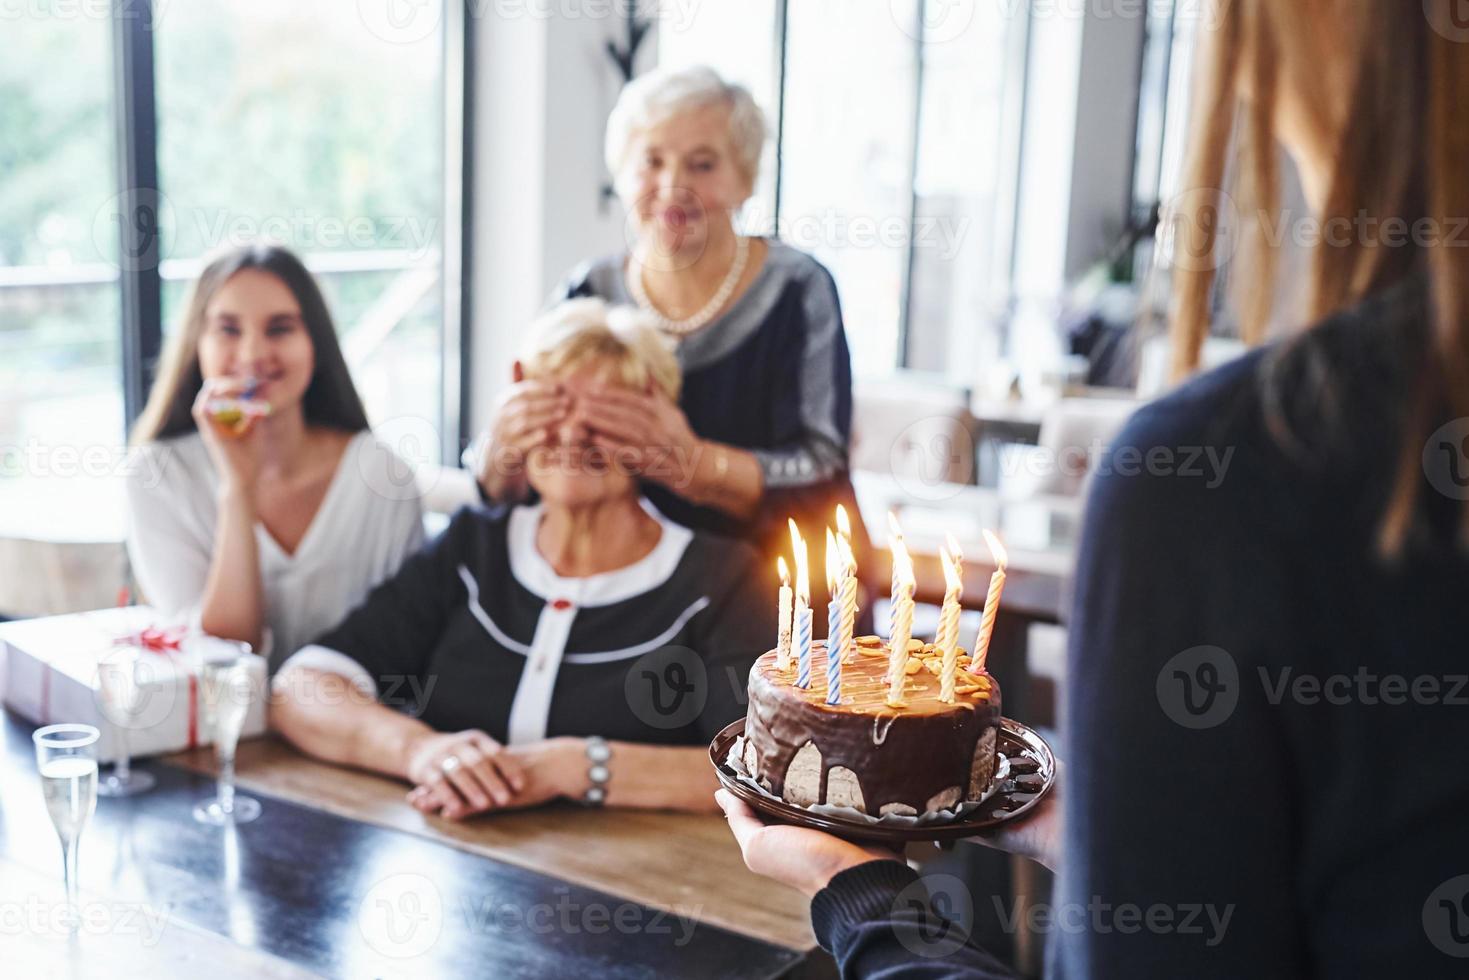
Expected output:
(450, 763)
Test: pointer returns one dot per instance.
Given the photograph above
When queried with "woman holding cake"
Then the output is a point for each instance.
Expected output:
(760, 432)
(260, 507)
(583, 647)
(1261, 683)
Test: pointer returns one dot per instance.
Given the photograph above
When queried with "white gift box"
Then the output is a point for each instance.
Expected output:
(50, 671)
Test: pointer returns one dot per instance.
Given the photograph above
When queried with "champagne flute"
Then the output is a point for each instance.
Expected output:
(227, 689)
(122, 699)
(66, 758)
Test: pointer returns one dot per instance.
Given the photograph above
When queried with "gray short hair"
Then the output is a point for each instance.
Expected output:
(649, 99)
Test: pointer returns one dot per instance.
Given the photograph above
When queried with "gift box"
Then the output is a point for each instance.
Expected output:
(51, 671)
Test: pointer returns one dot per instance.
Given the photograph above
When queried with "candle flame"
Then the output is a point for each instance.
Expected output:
(803, 572)
(785, 573)
(894, 527)
(847, 557)
(795, 532)
(953, 544)
(844, 526)
(833, 563)
(902, 563)
(996, 549)
(953, 574)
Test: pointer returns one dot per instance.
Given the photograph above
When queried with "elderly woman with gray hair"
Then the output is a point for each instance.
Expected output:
(761, 430)
(583, 647)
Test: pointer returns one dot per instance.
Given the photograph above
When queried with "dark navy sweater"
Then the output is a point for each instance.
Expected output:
(1266, 720)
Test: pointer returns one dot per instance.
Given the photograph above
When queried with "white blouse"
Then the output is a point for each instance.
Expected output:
(369, 521)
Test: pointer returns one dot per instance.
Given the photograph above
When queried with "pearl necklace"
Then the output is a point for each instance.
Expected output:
(700, 319)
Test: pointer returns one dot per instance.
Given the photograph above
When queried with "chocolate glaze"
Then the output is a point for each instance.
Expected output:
(905, 755)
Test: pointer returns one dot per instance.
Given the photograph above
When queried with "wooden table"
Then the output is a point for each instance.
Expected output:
(340, 877)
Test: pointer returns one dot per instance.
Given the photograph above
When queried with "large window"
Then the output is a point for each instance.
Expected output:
(60, 340)
(318, 126)
(295, 122)
(895, 168)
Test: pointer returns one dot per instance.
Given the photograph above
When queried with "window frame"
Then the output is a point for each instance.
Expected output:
(139, 274)
(1013, 120)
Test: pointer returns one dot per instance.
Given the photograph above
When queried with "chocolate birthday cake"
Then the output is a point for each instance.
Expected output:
(923, 756)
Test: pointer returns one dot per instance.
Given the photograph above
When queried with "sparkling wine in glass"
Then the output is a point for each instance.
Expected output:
(226, 690)
(123, 697)
(66, 758)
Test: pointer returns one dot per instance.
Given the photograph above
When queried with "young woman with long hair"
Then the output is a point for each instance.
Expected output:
(1266, 677)
(265, 526)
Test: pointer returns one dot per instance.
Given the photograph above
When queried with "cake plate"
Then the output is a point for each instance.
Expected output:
(1032, 773)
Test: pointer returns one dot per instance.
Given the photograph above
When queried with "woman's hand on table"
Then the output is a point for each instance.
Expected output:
(524, 417)
(797, 856)
(645, 430)
(547, 770)
(460, 773)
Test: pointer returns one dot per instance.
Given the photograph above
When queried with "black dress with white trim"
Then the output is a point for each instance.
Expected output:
(478, 631)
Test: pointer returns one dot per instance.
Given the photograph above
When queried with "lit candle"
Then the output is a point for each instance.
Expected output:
(991, 605)
(783, 624)
(895, 537)
(948, 635)
(835, 567)
(901, 623)
(802, 624)
(849, 585)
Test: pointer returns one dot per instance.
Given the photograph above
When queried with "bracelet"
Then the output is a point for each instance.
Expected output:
(599, 753)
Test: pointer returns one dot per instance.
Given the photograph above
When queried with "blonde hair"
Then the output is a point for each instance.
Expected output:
(622, 340)
(1394, 81)
(650, 99)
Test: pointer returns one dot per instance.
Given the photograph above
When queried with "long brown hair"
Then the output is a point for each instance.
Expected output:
(331, 400)
(1391, 80)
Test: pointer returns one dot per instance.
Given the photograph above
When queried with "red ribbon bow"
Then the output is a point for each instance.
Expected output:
(168, 641)
(156, 639)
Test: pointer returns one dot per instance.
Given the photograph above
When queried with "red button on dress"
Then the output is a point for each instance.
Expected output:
(561, 605)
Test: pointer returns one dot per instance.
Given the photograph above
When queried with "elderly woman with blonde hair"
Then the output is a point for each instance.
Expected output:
(583, 647)
(761, 429)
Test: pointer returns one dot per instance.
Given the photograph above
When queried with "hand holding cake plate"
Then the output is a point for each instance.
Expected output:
(910, 746)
